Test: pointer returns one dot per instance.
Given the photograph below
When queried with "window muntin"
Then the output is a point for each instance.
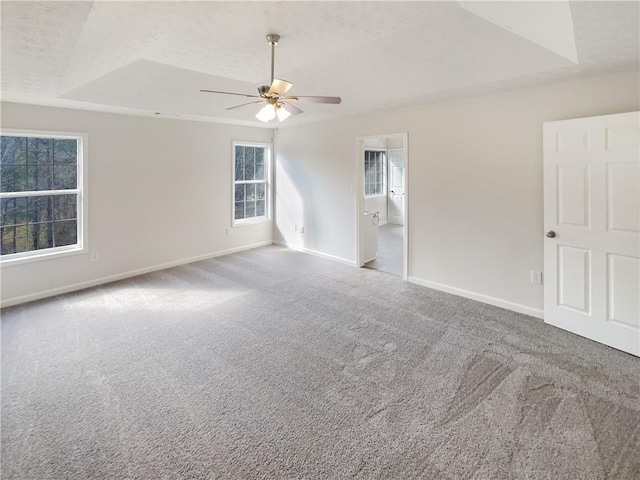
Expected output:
(251, 182)
(40, 194)
(374, 164)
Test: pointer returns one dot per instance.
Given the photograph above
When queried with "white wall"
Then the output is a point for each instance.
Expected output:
(159, 192)
(475, 183)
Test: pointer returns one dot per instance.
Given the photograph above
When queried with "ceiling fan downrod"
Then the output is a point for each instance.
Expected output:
(273, 39)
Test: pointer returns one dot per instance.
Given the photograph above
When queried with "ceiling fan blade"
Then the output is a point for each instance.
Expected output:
(231, 93)
(279, 87)
(292, 109)
(311, 99)
(244, 104)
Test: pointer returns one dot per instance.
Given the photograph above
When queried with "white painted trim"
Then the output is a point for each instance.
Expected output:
(496, 302)
(315, 252)
(121, 276)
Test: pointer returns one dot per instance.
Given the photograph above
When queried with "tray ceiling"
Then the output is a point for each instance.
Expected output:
(148, 57)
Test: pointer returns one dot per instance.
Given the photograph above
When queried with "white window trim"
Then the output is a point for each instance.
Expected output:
(83, 200)
(253, 220)
(384, 174)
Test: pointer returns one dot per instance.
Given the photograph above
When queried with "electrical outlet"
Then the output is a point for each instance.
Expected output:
(94, 256)
(301, 230)
(295, 228)
(536, 277)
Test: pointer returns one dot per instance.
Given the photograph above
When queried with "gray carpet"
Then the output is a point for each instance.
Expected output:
(276, 364)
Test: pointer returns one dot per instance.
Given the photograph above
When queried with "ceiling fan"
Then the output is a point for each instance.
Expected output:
(273, 96)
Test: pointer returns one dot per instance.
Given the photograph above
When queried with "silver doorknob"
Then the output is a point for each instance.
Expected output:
(550, 234)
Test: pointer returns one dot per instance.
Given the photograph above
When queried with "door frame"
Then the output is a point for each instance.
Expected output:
(358, 189)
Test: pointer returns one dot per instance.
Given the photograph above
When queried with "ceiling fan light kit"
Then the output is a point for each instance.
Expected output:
(276, 103)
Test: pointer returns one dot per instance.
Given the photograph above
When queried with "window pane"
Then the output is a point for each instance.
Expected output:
(14, 239)
(239, 175)
(239, 193)
(39, 236)
(250, 209)
(260, 208)
(250, 192)
(64, 177)
(39, 150)
(259, 170)
(65, 233)
(39, 209)
(13, 150)
(367, 189)
(65, 151)
(260, 188)
(13, 178)
(249, 160)
(13, 211)
(260, 154)
(239, 210)
(39, 177)
(65, 207)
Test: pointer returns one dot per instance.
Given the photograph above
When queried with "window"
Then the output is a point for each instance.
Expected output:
(41, 195)
(374, 162)
(251, 173)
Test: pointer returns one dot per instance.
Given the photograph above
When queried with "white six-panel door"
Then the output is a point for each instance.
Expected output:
(592, 228)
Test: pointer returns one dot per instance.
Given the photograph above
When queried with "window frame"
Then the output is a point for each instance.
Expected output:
(383, 186)
(267, 217)
(82, 205)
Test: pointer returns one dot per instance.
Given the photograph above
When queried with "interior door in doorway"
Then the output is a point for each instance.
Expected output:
(395, 210)
(592, 228)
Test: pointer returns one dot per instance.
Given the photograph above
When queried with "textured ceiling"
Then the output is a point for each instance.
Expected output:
(147, 57)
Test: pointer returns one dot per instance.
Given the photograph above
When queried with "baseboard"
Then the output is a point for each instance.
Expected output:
(496, 302)
(121, 276)
(314, 252)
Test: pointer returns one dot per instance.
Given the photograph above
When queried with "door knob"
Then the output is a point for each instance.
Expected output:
(550, 234)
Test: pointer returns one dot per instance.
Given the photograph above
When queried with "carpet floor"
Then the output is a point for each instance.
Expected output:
(275, 364)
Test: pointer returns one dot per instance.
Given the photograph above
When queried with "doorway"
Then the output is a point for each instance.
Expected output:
(381, 201)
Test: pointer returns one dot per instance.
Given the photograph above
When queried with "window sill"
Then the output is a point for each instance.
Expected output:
(376, 195)
(250, 221)
(28, 257)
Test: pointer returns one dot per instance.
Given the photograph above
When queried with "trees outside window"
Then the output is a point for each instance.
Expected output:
(251, 187)
(40, 194)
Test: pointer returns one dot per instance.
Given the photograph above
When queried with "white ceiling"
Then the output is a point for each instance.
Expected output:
(147, 57)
